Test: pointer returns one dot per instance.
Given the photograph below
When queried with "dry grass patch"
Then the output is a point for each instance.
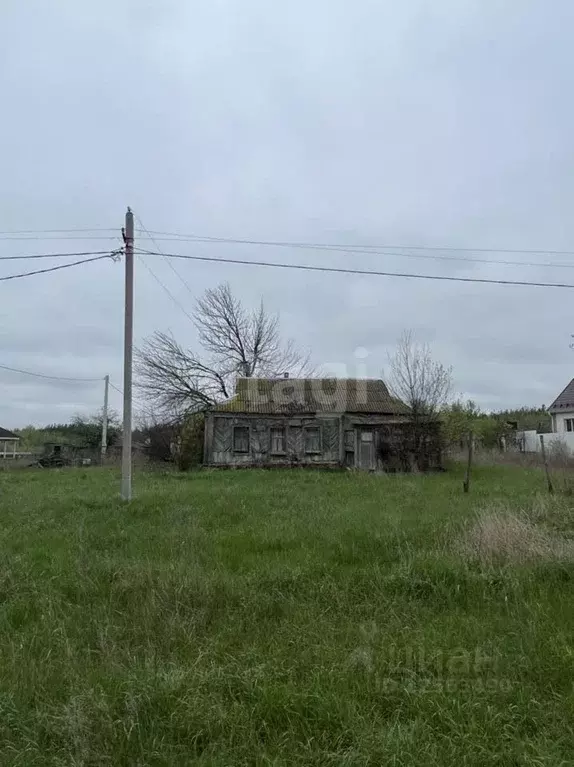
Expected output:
(499, 535)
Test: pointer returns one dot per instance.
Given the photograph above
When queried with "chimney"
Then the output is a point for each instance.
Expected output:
(285, 375)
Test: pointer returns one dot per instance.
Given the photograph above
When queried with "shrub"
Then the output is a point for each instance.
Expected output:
(190, 451)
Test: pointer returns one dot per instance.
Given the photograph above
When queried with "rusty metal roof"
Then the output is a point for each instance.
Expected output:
(565, 400)
(311, 395)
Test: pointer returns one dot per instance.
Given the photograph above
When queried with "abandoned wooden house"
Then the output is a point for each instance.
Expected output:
(322, 422)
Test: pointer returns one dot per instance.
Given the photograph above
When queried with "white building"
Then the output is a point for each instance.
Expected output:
(8, 443)
(561, 437)
(562, 411)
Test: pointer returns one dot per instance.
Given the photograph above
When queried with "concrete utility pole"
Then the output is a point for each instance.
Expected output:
(105, 418)
(128, 356)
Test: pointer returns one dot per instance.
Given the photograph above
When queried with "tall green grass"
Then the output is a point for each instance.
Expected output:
(279, 618)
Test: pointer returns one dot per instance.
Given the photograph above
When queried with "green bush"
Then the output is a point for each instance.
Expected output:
(190, 451)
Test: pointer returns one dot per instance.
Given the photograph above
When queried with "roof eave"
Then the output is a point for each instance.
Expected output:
(567, 408)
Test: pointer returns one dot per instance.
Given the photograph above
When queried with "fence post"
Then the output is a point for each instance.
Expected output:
(466, 483)
(545, 461)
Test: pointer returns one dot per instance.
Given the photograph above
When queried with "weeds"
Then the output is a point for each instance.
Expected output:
(500, 535)
(285, 618)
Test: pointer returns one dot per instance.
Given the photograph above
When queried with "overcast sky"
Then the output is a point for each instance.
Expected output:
(444, 123)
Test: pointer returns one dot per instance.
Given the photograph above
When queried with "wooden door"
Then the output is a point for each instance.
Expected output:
(366, 450)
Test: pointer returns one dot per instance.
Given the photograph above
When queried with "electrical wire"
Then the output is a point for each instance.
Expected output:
(75, 380)
(171, 266)
(365, 272)
(139, 405)
(55, 255)
(164, 287)
(52, 378)
(39, 234)
(26, 238)
(55, 231)
(360, 247)
(53, 268)
(368, 250)
(381, 250)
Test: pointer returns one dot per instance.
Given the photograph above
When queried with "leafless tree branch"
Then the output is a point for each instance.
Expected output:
(421, 382)
(236, 342)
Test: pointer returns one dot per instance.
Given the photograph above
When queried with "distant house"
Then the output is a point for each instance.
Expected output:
(8, 443)
(562, 410)
(562, 435)
(325, 422)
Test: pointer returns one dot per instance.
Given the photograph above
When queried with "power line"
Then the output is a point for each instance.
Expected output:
(26, 238)
(55, 255)
(171, 266)
(55, 231)
(360, 247)
(38, 234)
(141, 407)
(53, 268)
(65, 379)
(160, 283)
(371, 252)
(52, 378)
(382, 250)
(336, 270)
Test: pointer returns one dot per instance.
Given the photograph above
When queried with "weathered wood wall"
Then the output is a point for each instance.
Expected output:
(219, 440)
(394, 441)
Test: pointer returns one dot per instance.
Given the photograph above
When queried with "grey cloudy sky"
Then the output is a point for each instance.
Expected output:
(422, 123)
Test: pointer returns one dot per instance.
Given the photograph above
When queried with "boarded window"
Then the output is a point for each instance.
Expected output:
(312, 439)
(350, 439)
(278, 440)
(241, 439)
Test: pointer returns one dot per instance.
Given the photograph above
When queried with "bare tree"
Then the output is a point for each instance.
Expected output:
(235, 341)
(174, 378)
(417, 379)
(243, 342)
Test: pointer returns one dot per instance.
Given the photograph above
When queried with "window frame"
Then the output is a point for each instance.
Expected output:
(282, 429)
(233, 445)
(350, 444)
(569, 424)
(312, 451)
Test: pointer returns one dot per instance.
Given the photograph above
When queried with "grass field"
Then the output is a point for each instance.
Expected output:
(285, 618)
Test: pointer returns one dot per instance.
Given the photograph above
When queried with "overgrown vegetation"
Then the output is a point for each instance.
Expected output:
(284, 618)
(80, 432)
(459, 418)
(499, 534)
